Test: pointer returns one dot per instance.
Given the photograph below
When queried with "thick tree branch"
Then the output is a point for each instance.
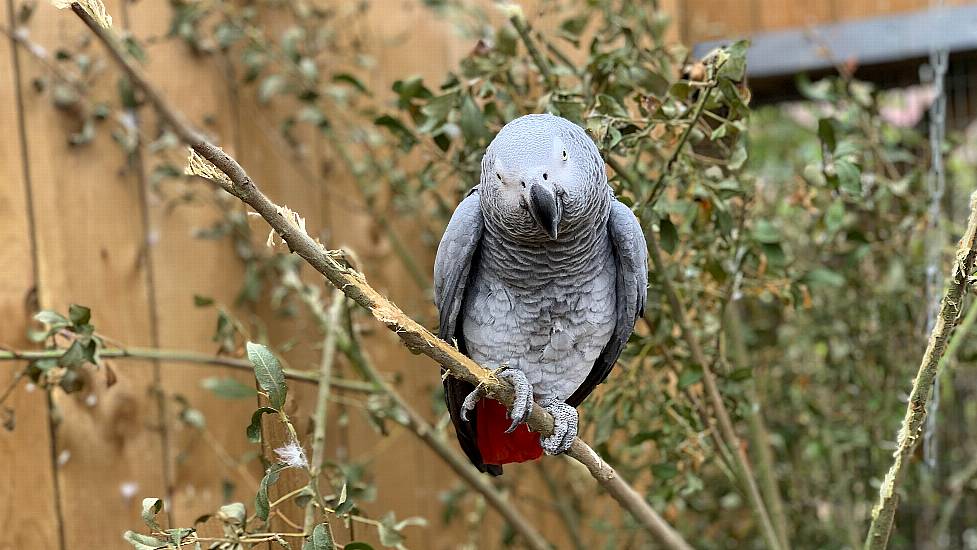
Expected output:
(884, 512)
(417, 338)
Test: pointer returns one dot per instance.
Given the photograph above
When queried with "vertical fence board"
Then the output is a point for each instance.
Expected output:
(28, 512)
(89, 247)
(186, 265)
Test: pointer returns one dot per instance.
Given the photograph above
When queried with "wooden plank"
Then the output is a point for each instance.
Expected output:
(776, 14)
(89, 249)
(31, 519)
(712, 19)
(185, 265)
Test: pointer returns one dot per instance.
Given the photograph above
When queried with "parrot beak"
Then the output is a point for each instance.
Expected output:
(545, 208)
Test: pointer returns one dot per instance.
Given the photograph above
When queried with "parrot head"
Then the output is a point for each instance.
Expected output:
(542, 176)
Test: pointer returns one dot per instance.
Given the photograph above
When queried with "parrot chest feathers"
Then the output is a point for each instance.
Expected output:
(552, 332)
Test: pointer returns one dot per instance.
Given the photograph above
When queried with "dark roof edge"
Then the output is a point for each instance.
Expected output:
(872, 41)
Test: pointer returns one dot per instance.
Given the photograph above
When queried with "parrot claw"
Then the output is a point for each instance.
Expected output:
(522, 404)
(470, 401)
(565, 420)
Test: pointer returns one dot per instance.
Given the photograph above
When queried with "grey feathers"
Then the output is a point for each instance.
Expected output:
(540, 269)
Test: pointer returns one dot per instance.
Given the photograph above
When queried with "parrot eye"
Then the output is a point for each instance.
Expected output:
(544, 175)
(564, 154)
(523, 184)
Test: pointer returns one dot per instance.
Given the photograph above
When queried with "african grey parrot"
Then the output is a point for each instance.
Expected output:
(542, 271)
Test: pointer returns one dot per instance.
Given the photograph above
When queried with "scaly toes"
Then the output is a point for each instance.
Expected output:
(522, 404)
(565, 421)
(470, 401)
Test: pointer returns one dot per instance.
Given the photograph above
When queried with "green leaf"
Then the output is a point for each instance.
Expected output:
(741, 374)
(202, 301)
(388, 531)
(436, 111)
(351, 80)
(269, 373)
(669, 235)
(738, 158)
(262, 506)
(397, 128)
(735, 66)
(271, 86)
(254, 429)
(664, 471)
(824, 278)
(610, 106)
(408, 89)
(821, 90)
(320, 539)
(142, 542)
(228, 388)
(472, 121)
(849, 177)
(51, 318)
(572, 27)
(345, 504)
(356, 545)
(827, 133)
(766, 232)
(689, 376)
(150, 507)
(79, 315)
(78, 354)
(834, 216)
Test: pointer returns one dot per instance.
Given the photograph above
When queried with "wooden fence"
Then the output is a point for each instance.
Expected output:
(81, 225)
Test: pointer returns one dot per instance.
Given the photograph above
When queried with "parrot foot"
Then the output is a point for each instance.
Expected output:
(565, 421)
(522, 404)
(471, 400)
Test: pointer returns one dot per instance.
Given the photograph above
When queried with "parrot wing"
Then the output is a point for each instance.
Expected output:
(457, 253)
(631, 261)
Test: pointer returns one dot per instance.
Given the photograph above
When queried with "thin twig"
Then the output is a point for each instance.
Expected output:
(757, 427)
(414, 336)
(522, 27)
(13, 384)
(182, 357)
(712, 389)
(321, 415)
(883, 515)
(956, 485)
(728, 433)
(563, 508)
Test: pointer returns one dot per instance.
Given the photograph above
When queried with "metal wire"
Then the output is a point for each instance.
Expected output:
(936, 184)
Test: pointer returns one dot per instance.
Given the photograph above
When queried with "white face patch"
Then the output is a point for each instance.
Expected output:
(498, 168)
(559, 151)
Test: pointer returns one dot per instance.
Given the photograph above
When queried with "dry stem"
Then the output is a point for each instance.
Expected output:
(884, 512)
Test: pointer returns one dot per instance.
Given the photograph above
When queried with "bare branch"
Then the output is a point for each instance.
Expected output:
(417, 338)
(884, 512)
(183, 357)
(321, 417)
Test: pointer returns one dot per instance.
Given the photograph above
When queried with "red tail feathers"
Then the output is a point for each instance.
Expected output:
(498, 447)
